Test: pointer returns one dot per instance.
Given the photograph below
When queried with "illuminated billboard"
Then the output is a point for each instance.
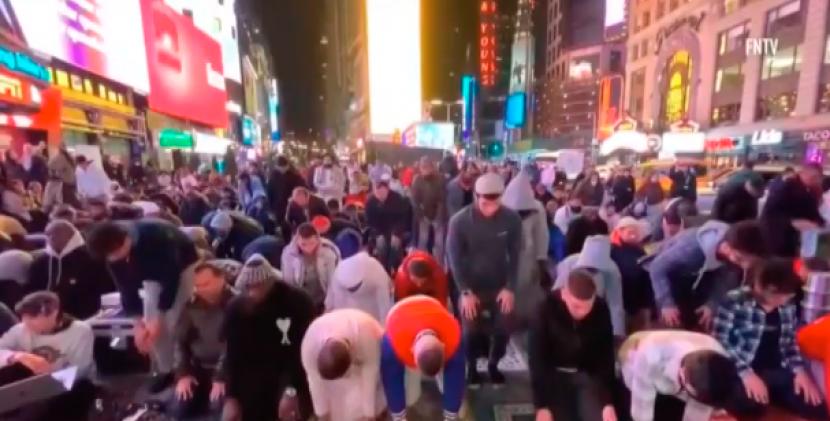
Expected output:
(614, 19)
(218, 20)
(394, 30)
(514, 110)
(487, 42)
(521, 64)
(435, 136)
(186, 78)
(104, 37)
(610, 102)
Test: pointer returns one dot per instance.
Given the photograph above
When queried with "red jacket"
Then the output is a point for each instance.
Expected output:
(404, 287)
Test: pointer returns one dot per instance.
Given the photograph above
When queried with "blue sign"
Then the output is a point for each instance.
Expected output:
(514, 110)
(274, 111)
(22, 63)
(468, 96)
(249, 131)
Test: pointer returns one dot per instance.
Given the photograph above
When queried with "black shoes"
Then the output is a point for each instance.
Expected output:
(474, 379)
(496, 376)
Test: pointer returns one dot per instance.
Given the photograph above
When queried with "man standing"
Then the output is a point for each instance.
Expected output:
(794, 202)
(389, 216)
(690, 371)
(429, 206)
(264, 328)
(330, 181)
(460, 189)
(421, 335)
(484, 243)
(308, 262)
(756, 325)
(160, 258)
(572, 354)
(199, 345)
(683, 183)
(281, 184)
(93, 182)
(341, 355)
(67, 268)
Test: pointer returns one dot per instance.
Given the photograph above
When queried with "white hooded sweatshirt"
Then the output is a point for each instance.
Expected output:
(359, 394)
(360, 282)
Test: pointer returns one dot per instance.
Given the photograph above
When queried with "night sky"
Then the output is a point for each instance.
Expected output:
(294, 28)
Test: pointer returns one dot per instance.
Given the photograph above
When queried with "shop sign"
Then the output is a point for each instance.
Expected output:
(684, 126)
(684, 142)
(692, 21)
(24, 64)
(725, 144)
(625, 124)
(175, 139)
(766, 137)
(210, 144)
(820, 135)
(18, 91)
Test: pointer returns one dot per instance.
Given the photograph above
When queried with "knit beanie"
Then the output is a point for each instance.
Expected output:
(257, 271)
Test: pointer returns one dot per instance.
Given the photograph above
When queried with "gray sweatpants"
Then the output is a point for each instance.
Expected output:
(162, 353)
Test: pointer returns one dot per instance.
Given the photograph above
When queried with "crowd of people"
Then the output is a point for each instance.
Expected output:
(334, 289)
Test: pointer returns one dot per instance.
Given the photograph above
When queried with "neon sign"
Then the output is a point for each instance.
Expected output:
(21, 63)
(487, 43)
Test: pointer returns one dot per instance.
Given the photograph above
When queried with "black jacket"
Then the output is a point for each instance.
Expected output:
(734, 204)
(559, 341)
(683, 184)
(636, 284)
(160, 253)
(258, 353)
(280, 187)
(623, 191)
(77, 278)
(296, 215)
(791, 200)
(244, 231)
(392, 216)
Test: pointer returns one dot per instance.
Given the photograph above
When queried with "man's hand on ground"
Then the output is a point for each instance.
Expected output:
(217, 391)
(608, 413)
(544, 415)
(670, 316)
(469, 306)
(184, 388)
(806, 388)
(755, 388)
(704, 317)
(505, 300)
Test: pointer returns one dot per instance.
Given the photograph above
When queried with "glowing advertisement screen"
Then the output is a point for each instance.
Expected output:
(104, 37)
(394, 32)
(435, 136)
(514, 114)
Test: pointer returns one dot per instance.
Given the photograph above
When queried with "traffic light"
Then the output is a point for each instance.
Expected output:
(495, 149)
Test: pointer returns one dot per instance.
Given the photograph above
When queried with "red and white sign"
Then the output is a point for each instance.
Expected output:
(186, 78)
(16, 90)
(487, 42)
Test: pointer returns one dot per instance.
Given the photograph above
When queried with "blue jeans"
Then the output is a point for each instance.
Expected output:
(199, 404)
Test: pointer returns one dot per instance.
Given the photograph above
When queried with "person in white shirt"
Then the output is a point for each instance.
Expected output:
(330, 180)
(360, 282)
(566, 214)
(93, 182)
(341, 357)
(688, 366)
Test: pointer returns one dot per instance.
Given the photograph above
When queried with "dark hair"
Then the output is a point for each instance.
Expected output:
(41, 303)
(122, 197)
(817, 264)
(430, 361)
(419, 268)
(382, 184)
(63, 211)
(105, 238)
(777, 274)
(748, 237)
(307, 230)
(333, 204)
(334, 360)
(215, 269)
(581, 284)
(679, 211)
(282, 161)
(710, 374)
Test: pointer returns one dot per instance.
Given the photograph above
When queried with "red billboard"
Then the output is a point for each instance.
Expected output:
(609, 101)
(487, 42)
(186, 77)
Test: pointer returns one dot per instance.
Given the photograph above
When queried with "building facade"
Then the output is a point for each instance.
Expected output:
(755, 74)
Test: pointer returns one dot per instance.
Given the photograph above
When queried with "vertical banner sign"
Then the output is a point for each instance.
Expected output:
(468, 94)
(487, 42)
(609, 105)
(274, 110)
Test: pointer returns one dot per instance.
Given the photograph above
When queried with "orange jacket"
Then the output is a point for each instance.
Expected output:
(814, 341)
(404, 287)
(415, 314)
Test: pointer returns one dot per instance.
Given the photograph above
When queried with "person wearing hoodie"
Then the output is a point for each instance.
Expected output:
(389, 216)
(158, 257)
(590, 191)
(595, 258)
(460, 189)
(231, 232)
(263, 330)
(694, 270)
(48, 340)
(268, 246)
(572, 354)
(533, 278)
(62, 184)
(258, 210)
(361, 282)
(738, 202)
(622, 188)
(341, 356)
(14, 275)
(330, 180)
(308, 263)
(67, 268)
(484, 243)
(429, 195)
(250, 186)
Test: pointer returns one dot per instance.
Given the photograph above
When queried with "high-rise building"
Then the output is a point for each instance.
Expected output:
(497, 23)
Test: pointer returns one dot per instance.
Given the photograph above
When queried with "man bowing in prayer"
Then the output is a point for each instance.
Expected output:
(422, 335)
(341, 356)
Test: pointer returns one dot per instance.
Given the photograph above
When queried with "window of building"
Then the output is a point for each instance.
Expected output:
(661, 9)
(646, 21)
(827, 50)
(776, 106)
(120, 99)
(784, 62)
(824, 98)
(102, 91)
(673, 4)
(729, 78)
(62, 78)
(644, 48)
(88, 87)
(637, 92)
(678, 88)
(730, 6)
(635, 52)
(112, 96)
(726, 114)
(76, 83)
(733, 39)
(784, 17)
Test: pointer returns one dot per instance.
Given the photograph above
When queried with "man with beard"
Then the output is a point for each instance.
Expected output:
(696, 268)
(460, 189)
(231, 232)
(281, 184)
(67, 268)
(264, 328)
